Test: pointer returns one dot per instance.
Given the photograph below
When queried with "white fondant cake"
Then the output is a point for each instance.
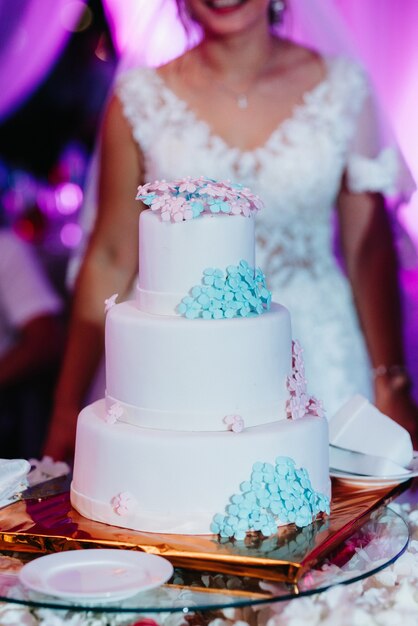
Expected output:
(185, 249)
(201, 397)
(180, 480)
(172, 373)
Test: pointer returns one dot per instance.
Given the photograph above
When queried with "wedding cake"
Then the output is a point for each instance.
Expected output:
(207, 426)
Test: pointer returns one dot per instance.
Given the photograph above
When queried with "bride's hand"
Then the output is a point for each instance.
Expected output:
(60, 441)
(401, 407)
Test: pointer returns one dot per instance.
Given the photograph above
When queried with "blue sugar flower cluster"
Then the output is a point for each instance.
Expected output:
(275, 494)
(239, 292)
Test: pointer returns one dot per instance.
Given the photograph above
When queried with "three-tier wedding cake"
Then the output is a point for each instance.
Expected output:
(207, 426)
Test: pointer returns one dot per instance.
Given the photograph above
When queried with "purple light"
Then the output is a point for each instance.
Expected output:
(68, 198)
(153, 23)
(71, 235)
(46, 201)
(13, 202)
(70, 15)
(31, 37)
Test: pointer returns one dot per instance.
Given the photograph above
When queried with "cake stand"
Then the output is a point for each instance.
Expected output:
(372, 547)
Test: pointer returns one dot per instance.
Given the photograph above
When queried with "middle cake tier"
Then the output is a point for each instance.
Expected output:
(168, 372)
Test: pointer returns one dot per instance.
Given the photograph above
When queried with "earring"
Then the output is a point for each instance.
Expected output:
(276, 10)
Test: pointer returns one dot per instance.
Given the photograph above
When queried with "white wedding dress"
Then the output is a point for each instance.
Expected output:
(297, 173)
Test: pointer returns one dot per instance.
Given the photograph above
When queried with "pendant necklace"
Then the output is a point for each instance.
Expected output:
(240, 97)
(242, 101)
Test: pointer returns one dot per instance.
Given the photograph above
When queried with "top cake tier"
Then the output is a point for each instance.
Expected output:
(196, 228)
(174, 255)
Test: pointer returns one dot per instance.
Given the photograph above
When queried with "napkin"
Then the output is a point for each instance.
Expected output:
(13, 479)
(361, 427)
(46, 468)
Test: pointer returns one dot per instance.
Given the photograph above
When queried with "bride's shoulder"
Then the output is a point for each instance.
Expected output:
(170, 71)
(299, 65)
(349, 73)
(314, 61)
(134, 76)
(171, 67)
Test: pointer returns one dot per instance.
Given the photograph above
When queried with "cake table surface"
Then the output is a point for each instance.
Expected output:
(374, 537)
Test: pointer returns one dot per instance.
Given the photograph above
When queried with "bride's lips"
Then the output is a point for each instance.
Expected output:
(224, 6)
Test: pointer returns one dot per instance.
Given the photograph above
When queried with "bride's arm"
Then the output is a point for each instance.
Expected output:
(109, 267)
(372, 268)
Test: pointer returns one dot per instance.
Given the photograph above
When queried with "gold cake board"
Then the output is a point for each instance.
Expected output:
(48, 523)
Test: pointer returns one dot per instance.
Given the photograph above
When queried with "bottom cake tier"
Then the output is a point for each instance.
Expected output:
(163, 481)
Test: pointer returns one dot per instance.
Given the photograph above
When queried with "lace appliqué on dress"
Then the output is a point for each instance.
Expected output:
(297, 173)
(377, 174)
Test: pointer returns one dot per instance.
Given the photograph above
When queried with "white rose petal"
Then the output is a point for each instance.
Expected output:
(13, 614)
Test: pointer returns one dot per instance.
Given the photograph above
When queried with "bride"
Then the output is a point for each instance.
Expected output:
(248, 105)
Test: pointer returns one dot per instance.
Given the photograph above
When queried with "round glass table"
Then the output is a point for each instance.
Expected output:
(374, 546)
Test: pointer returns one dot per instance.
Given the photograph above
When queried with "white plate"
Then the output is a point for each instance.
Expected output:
(95, 574)
(375, 481)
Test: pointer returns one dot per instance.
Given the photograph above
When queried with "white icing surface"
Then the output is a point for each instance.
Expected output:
(171, 372)
(160, 438)
(181, 479)
(172, 256)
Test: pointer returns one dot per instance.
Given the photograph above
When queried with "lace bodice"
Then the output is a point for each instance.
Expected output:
(297, 173)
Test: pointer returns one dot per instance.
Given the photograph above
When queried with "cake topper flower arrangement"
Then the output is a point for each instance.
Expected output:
(187, 198)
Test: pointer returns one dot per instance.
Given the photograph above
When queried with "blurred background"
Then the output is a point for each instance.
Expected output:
(57, 62)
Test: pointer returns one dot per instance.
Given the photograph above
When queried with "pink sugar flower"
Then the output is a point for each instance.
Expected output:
(299, 365)
(109, 302)
(166, 214)
(178, 203)
(142, 190)
(239, 207)
(297, 349)
(114, 413)
(178, 216)
(258, 204)
(160, 202)
(235, 423)
(213, 189)
(187, 186)
(315, 407)
(235, 207)
(124, 503)
(183, 213)
(299, 378)
(296, 385)
(255, 201)
(297, 359)
(161, 185)
(296, 406)
(167, 198)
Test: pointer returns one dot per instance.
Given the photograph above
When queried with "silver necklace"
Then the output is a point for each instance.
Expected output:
(240, 97)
